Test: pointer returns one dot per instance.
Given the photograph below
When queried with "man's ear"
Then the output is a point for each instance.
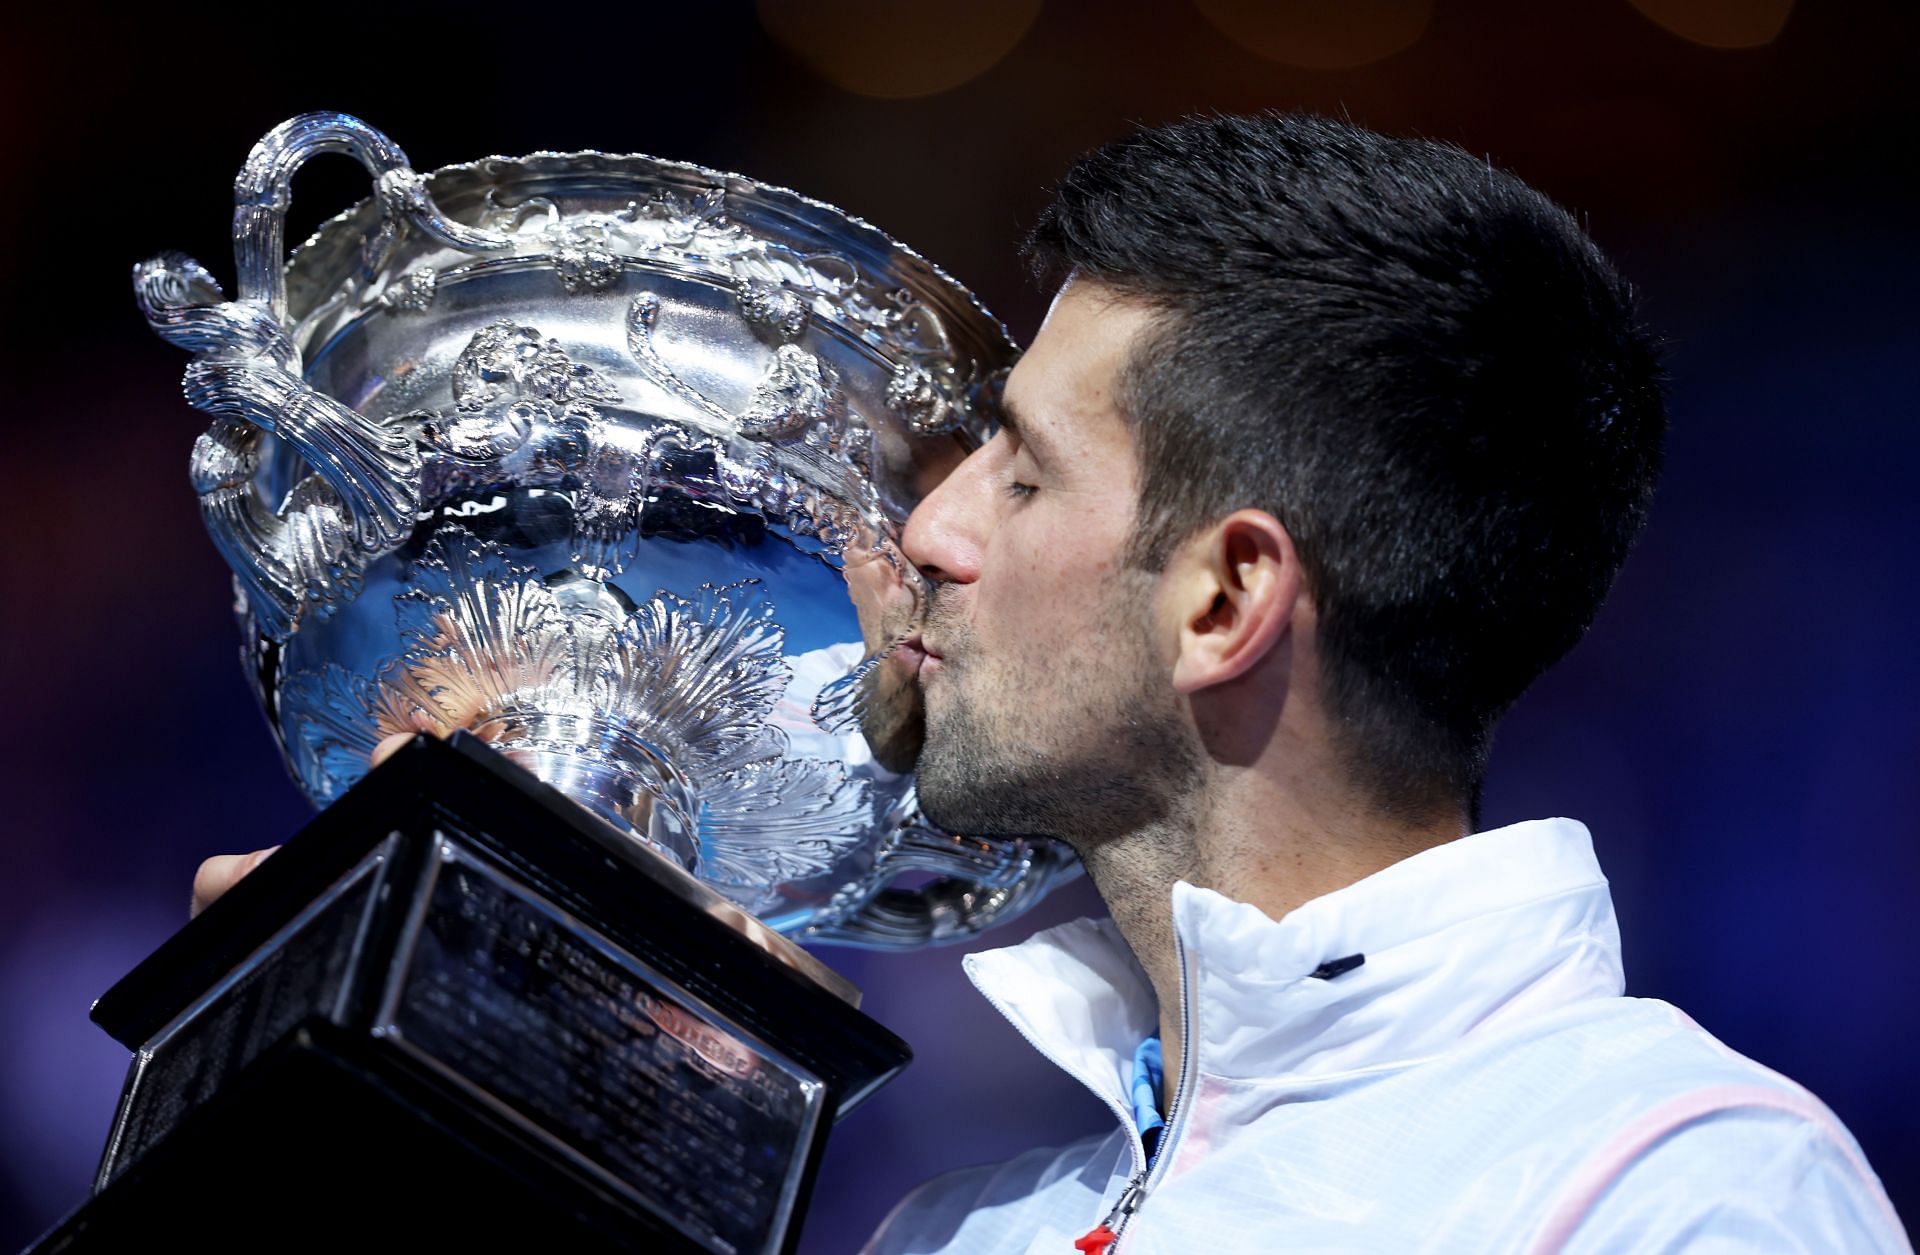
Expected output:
(1235, 589)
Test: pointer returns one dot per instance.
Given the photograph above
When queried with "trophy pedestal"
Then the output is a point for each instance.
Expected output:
(458, 1007)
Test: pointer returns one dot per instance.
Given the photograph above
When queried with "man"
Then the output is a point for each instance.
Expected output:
(1330, 444)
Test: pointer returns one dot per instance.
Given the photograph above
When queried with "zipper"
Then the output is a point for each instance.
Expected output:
(1099, 1240)
(1145, 1180)
(1104, 1237)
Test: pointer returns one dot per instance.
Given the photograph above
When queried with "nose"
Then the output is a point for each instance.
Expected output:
(945, 532)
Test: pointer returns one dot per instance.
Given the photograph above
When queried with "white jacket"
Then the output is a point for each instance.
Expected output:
(1477, 1084)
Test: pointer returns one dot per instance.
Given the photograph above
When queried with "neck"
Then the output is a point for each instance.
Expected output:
(1272, 844)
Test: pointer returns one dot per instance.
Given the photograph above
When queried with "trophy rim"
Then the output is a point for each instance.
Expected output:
(998, 342)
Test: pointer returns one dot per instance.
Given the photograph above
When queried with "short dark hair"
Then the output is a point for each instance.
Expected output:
(1420, 365)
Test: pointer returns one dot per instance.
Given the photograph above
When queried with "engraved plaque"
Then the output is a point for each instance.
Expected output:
(619, 1066)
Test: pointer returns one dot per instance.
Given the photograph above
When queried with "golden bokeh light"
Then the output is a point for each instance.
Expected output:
(1320, 34)
(1719, 23)
(898, 50)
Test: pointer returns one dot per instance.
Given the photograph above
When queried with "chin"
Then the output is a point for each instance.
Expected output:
(959, 799)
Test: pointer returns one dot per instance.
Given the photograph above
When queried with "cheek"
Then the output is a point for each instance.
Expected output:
(1054, 562)
(1073, 540)
(1052, 622)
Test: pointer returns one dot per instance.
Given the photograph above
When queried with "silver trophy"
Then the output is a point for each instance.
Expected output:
(595, 464)
(602, 459)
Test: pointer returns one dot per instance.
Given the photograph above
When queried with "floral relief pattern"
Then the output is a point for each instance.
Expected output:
(694, 676)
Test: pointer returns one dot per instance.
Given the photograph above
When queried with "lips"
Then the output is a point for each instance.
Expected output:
(916, 652)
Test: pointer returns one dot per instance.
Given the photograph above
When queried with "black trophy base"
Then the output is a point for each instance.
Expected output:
(457, 1008)
(380, 1161)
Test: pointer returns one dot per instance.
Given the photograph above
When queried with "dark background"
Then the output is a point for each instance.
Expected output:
(1739, 729)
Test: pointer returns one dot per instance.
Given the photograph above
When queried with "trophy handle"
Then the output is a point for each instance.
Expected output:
(263, 190)
(984, 882)
(246, 372)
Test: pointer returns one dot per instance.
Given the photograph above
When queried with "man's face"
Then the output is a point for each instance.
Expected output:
(1048, 704)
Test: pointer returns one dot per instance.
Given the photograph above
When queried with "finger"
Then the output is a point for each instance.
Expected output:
(221, 873)
(385, 750)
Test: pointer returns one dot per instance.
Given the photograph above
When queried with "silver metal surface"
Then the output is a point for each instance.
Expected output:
(603, 458)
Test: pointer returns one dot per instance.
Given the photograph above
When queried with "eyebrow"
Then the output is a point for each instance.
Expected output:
(1008, 416)
(1011, 420)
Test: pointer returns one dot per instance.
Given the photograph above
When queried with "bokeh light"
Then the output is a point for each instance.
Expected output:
(1720, 23)
(1321, 34)
(898, 50)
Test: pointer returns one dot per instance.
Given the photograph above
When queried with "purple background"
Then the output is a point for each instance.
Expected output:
(1738, 731)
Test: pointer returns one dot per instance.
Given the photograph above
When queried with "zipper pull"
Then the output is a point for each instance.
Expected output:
(1103, 1235)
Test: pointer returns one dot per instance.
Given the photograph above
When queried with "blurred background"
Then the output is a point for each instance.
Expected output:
(1739, 730)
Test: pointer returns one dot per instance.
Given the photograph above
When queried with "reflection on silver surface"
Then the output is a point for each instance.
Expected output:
(603, 458)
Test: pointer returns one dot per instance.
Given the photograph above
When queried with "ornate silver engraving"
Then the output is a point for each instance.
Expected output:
(582, 259)
(403, 194)
(781, 290)
(306, 553)
(518, 357)
(772, 309)
(511, 388)
(685, 219)
(641, 315)
(481, 435)
(490, 646)
(413, 292)
(797, 391)
(918, 401)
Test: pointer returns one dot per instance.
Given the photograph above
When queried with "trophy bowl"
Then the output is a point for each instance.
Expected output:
(603, 460)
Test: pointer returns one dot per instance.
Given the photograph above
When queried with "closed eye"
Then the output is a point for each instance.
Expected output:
(1019, 491)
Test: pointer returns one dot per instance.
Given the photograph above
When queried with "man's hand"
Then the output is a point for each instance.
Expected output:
(223, 871)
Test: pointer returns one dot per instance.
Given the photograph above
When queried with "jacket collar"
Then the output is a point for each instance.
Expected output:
(1459, 939)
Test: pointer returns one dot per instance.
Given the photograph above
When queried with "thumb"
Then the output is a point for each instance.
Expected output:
(221, 873)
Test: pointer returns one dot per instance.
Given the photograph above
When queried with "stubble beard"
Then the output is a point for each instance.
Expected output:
(1081, 749)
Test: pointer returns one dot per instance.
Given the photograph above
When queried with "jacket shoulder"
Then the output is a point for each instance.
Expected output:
(1616, 1120)
(1641, 1128)
(1716, 1147)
